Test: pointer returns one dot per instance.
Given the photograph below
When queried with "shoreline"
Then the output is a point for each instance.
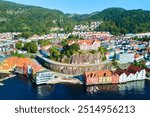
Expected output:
(1, 84)
(116, 83)
(6, 78)
(147, 78)
(65, 80)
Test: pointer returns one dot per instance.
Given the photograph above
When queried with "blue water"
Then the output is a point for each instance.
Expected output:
(21, 88)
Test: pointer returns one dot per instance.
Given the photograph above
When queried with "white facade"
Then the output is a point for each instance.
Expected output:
(132, 77)
(94, 46)
(43, 77)
(123, 78)
(141, 75)
(126, 58)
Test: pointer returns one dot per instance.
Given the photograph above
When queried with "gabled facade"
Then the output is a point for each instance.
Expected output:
(133, 73)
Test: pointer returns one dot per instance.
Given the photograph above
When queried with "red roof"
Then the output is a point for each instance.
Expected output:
(119, 71)
(134, 69)
(147, 69)
(87, 42)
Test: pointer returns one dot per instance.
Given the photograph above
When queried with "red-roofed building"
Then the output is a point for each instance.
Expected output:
(87, 44)
(91, 78)
(131, 74)
(147, 72)
(115, 78)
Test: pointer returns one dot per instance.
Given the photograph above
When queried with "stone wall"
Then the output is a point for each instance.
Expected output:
(69, 68)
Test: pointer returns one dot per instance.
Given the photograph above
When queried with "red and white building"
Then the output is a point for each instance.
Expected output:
(133, 73)
(87, 44)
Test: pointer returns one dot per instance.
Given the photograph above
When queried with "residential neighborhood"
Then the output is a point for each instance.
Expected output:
(58, 51)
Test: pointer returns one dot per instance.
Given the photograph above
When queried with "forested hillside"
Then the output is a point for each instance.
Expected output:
(37, 20)
(22, 18)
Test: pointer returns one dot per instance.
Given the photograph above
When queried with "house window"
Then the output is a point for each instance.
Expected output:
(104, 74)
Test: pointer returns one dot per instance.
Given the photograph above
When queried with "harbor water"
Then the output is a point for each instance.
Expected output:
(21, 88)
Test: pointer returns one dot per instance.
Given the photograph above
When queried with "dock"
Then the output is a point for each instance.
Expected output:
(147, 78)
(65, 80)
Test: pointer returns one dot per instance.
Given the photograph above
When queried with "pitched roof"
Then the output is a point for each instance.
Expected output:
(119, 71)
(91, 74)
(11, 62)
(137, 55)
(131, 69)
(147, 70)
(87, 42)
(104, 73)
(134, 69)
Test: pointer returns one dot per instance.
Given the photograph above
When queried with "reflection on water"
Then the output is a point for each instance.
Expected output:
(136, 86)
(24, 89)
(44, 90)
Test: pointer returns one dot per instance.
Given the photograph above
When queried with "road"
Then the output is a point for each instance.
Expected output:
(71, 65)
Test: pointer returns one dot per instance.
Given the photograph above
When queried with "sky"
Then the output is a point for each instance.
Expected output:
(86, 6)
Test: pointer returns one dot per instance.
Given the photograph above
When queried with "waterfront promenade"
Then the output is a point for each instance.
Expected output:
(65, 80)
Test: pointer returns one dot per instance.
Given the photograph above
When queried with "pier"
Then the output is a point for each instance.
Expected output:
(65, 80)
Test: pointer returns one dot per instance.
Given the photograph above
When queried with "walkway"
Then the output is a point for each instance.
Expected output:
(71, 65)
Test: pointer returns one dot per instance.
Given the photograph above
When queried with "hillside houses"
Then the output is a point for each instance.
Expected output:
(8, 35)
(91, 26)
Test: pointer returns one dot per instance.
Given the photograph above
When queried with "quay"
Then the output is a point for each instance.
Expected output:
(147, 78)
(65, 80)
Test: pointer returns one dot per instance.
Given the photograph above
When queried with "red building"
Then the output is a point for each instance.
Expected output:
(115, 78)
(91, 78)
(101, 77)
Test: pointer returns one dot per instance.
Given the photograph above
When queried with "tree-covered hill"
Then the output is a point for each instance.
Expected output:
(17, 17)
(23, 18)
(118, 20)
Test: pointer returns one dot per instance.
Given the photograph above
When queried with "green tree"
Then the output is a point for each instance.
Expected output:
(102, 50)
(115, 63)
(74, 47)
(64, 43)
(44, 42)
(26, 34)
(54, 53)
(19, 45)
(31, 47)
(93, 51)
(140, 64)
